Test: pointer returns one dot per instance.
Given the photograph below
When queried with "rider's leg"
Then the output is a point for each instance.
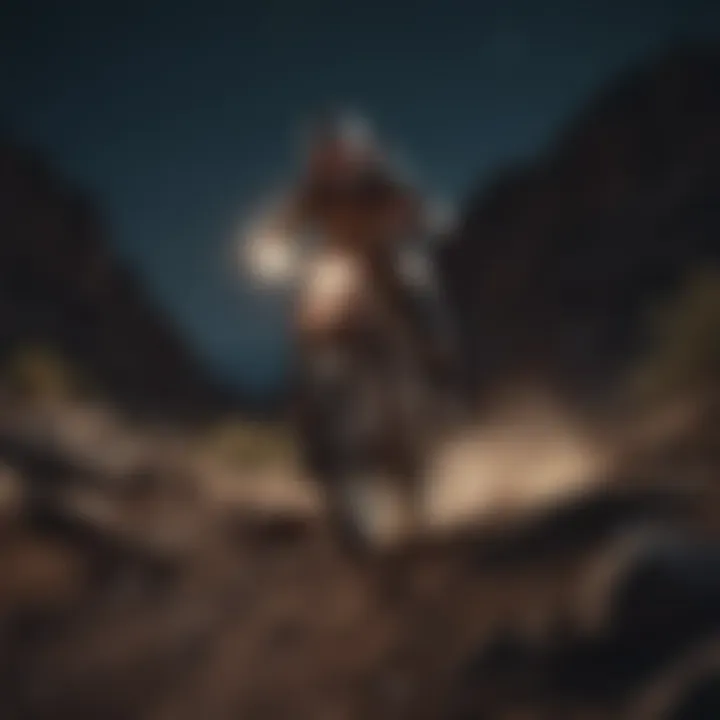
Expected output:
(333, 426)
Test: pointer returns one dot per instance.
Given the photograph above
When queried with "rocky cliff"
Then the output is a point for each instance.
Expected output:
(555, 264)
(63, 290)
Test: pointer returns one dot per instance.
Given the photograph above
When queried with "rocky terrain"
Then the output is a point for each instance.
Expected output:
(62, 290)
(557, 265)
(573, 572)
(140, 584)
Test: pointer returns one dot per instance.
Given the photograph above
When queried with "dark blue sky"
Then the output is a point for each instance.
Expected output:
(179, 114)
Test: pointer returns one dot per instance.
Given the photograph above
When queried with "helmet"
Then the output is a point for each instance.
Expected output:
(342, 141)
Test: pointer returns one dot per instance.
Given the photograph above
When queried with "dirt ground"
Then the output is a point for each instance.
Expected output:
(152, 594)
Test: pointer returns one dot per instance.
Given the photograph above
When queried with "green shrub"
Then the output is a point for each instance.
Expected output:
(41, 373)
(684, 355)
(242, 443)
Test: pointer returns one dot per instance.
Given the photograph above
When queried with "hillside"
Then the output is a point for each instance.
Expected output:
(63, 292)
(556, 265)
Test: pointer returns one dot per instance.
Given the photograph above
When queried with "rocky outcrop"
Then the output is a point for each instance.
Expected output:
(556, 263)
(62, 288)
(134, 590)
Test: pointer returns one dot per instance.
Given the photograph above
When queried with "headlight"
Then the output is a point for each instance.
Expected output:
(270, 257)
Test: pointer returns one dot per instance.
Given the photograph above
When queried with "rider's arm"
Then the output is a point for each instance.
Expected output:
(425, 223)
(291, 215)
(429, 312)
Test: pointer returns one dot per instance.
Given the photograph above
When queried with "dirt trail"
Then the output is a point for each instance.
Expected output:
(171, 599)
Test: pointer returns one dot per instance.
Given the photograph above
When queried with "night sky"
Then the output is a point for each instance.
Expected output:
(179, 115)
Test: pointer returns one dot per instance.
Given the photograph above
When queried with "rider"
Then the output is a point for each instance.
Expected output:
(367, 216)
(358, 203)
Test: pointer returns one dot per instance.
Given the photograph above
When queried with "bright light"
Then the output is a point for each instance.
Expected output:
(270, 257)
(329, 289)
